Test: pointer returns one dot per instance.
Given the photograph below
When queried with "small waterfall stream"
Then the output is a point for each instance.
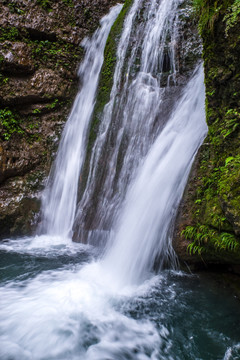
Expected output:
(60, 196)
(59, 299)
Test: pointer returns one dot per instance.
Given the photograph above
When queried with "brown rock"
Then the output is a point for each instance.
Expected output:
(16, 58)
(45, 84)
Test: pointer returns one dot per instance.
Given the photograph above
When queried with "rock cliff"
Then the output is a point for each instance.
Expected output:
(208, 226)
(39, 55)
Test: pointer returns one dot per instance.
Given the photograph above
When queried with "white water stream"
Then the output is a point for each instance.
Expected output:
(143, 231)
(60, 197)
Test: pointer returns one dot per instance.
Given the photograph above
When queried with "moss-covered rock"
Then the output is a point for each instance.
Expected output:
(213, 194)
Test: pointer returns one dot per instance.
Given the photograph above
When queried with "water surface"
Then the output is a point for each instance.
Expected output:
(59, 301)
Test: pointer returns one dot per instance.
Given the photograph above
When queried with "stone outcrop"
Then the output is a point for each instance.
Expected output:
(208, 223)
(39, 55)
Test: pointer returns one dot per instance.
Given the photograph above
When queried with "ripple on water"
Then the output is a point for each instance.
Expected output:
(70, 310)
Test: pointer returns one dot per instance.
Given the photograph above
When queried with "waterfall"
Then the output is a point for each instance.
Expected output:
(59, 299)
(135, 114)
(143, 232)
(149, 133)
(60, 196)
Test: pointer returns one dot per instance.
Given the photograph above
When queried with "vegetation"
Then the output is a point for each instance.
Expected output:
(205, 239)
(215, 223)
(14, 8)
(10, 33)
(208, 12)
(3, 79)
(232, 16)
(32, 115)
(105, 84)
(9, 124)
(47, 4)
(56, 53)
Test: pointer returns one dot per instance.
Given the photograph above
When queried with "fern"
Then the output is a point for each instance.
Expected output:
(232, 16)
(205, 239)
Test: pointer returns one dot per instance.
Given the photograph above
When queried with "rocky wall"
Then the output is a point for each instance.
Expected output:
(39, 56)
(208, 224)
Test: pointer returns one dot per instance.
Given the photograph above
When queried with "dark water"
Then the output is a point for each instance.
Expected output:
(57, 302)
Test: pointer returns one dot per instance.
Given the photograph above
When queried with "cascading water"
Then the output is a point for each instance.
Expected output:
(57, 303)
(60, 196)
(133, 117)
(143, 232)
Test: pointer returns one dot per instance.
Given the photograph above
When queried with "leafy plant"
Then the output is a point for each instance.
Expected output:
(205, 239)
(3, 79)
(55, 52)
(232, 119)
(208, 13)
(44, 48)
(9, 123)
(14, 8)
(9, 33)
(68, 3)
(53, 104)
(45, 4)
(232, 16)
(36, 111)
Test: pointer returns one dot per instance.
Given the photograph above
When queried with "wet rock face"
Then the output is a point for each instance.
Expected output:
(39, 55)
(210, 208)
(16, 58)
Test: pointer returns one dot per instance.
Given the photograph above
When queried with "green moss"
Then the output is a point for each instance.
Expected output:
(214, 227)
(232, 16)
(45, 4)
(68, 3)
(10, 33)
(209, 11)
(9, 124)
(105, 86)
(48, 4)
(55, 53)
(53, 105)
(3, 79)
(14, 8)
